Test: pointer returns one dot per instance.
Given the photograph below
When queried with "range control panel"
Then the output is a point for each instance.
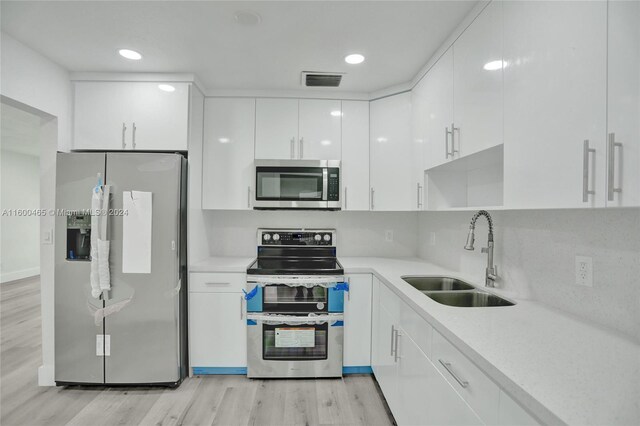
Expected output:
(303, 237)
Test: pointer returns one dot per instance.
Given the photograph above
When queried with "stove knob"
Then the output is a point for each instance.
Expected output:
(317, 237)
(276, 237)
(327, 237)
(266, 237)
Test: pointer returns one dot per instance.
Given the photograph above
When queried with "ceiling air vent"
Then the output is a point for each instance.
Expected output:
(321, 79)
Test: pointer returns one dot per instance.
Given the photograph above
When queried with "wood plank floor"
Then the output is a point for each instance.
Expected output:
(200, 400)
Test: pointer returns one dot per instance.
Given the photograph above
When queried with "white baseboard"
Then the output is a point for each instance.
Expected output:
(46, 376)
(18, 275)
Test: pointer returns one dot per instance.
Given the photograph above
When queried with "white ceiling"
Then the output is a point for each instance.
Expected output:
(202, 37)
(19, 131)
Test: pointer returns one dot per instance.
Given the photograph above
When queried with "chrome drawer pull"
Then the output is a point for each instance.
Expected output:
(447, 366)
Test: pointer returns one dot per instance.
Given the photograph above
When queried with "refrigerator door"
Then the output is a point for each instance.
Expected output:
(76, 359)
(145, 328)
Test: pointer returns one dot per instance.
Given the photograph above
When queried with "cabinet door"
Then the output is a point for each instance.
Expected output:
(554, 100)
(392, 184)
(102, 116)
(438, 110)
(217, 330)
(320, 129)
(426, 398)
(477, 82)
(418, 138)
(276, 129)
(510, 413)
(228, 150)
(161, 118)
(386, 368)
(357, 321)
(623, 112)
(355, 155)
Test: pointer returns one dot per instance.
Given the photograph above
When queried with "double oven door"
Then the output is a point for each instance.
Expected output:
(294, 334)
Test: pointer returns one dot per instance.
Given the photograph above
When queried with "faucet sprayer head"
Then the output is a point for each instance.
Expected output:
(470, 239)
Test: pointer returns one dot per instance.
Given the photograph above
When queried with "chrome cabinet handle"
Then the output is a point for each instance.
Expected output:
(611, 172)
(372, 194)
(447, 366)
(585, 171)
(241, 310)
(300, 153)
(124, 130)
(446, 142)
(419, 190)
(453, 140)
(248, 196)
(293, 142)
(396, 357)
(345, 198)
(393, 331)
(133, 130)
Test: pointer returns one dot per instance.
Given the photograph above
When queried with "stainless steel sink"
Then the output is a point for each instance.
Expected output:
(469, 299)
(437, 284)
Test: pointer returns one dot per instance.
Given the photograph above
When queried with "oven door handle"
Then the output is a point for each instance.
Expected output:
(325, 184)
(323, 280)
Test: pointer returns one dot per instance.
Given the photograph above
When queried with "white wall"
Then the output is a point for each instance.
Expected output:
(20, 242)
(233, 233)
(33, 80)
(535, 254)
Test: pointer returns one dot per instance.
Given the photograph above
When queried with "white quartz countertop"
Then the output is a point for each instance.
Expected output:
(561, 368)
(222, 264)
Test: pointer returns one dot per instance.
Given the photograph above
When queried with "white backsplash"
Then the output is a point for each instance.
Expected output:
(535, 254)
(233, 233)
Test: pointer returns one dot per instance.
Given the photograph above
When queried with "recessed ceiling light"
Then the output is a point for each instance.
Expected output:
(223, 140)
(494, 65)
(248, 18)
(325, 142)
(336, 113)
(130, 54)
(354, 59)
(166, 87)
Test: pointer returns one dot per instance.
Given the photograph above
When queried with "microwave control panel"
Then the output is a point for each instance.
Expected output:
(334, 185)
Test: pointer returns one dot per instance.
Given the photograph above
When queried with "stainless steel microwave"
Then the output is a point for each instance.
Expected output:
(297, 184)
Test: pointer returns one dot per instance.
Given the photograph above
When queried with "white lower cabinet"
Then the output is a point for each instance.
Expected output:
(217, 327)
(510, 413)
(357, 321)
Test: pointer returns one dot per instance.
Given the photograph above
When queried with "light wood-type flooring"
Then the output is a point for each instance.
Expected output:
(200, 400)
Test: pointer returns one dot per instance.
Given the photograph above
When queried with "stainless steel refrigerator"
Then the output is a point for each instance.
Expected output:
(136, 333)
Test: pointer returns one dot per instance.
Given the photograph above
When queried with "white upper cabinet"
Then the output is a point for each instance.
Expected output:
(307, 129)
(623, 112)
(436, 111)
(418, 139)
(227, 163)
(554, 100)
(319, 129)
(277, 129)
(124, 116)
(355, 155)
(393, 186)
(477, 83)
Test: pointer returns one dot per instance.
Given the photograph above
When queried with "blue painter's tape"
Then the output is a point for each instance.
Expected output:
(254, 303)
(338, 324)
(251, 322)
(359, 369)
(336, 300)
(342, 286)
(219, 370)
(251, 294)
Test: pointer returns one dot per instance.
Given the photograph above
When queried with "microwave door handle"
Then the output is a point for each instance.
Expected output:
(325, 184)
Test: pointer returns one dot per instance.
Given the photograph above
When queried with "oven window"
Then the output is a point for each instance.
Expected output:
(283, 298)
(301, 184)
(294, 342)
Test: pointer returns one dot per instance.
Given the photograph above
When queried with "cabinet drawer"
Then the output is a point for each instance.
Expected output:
(217, 282)
(480, 392)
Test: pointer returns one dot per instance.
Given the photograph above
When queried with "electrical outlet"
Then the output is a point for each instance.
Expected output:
(584, 271)
(47, 237)
(388, 236)
(432, 238)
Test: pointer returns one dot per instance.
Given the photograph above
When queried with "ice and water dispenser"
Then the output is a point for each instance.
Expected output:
(79, 237)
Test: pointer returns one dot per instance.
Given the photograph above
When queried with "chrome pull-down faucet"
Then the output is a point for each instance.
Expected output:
(491, 273)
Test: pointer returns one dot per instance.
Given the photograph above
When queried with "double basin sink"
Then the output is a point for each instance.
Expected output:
(453, 292)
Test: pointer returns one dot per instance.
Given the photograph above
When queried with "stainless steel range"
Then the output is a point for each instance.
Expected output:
(295, 308)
